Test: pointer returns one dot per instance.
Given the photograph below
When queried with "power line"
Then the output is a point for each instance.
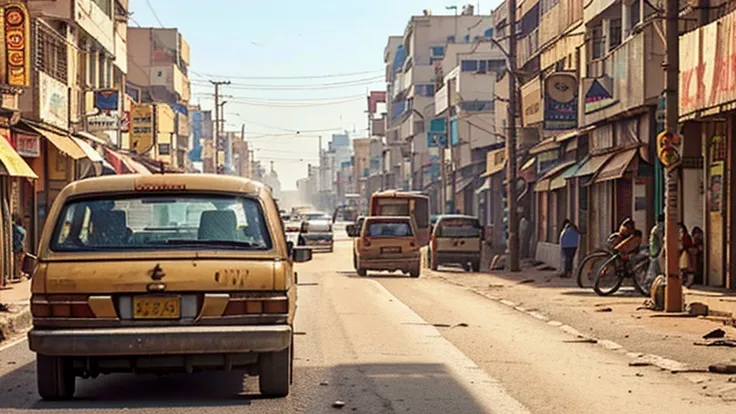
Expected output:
(328, 85)
(295, 105)
(274, 100)
(153, 11)
(333, 75)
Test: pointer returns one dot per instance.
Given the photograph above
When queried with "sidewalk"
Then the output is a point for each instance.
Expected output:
(620, 318)
(18, 317)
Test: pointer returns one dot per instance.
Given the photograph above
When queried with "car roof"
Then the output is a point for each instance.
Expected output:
(388, 218)
(456, 216)
(167, 182)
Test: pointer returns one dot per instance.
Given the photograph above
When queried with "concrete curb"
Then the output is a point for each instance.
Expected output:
(15, 322)
(637, 359)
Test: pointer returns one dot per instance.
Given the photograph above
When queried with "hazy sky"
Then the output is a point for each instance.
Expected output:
(309, 41)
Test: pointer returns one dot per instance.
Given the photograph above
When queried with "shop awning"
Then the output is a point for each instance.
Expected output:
(548, 144)
(485, 187)
(495, 162)
(616, 167)
(63, 143)
(13, 164)
(544, 183)
(463, 184)
(91, 153)
(123, 164)
(593, 164)
(87, 135)
(561, 180)
(494, 170)
(573, 133)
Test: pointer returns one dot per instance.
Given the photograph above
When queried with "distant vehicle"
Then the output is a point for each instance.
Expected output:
(315, 215)
(318, 234)
(386, 243)
(404, 203)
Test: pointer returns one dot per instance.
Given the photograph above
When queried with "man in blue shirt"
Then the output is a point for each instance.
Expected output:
(569, 241)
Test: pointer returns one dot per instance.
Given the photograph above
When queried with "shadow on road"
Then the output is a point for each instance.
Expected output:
(374, 388)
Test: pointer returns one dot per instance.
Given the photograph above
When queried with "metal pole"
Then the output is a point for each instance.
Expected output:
(443, 162)
(511, 146)
(218, 115)
(673, 292)
(450, 145)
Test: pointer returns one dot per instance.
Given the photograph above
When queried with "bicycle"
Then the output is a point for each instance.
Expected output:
(633, 265)
(589, 266)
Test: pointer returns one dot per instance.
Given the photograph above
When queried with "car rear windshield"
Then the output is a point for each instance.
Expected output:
(389, 229)
(161, 222)
(458, 228)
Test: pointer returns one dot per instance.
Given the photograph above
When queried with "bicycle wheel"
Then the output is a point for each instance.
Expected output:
(639, 277)
(608, 279)
(586, 271)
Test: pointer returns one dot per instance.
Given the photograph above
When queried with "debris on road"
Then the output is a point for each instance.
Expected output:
(604, 309)
(697, 309)
(338, 404)
(324, 383)
(581, 341)
(460, 325)
(525, 281)
(716, 333)
(718, 342)
(299, 333)
(723, 368)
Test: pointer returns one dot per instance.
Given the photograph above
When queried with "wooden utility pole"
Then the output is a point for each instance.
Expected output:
(443, 162)
(673, 292)
(218, 116)
(513, 224)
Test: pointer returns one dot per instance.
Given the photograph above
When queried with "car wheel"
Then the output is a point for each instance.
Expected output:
(355, 262)
(476, 266)
(56, 380)
(274, 373)
(416, 271)
(361, 272)
(433, 263)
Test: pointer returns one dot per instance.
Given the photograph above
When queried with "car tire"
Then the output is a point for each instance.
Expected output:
(56, 380)
(274, 373)
(361, 272)
(476, 266)
(433, 264)
(416, 270)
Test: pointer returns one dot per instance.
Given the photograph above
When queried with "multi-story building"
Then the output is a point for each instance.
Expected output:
(361, 170)
(411, 82)
(159, 61)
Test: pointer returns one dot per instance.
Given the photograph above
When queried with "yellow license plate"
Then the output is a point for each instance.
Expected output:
(156, 308)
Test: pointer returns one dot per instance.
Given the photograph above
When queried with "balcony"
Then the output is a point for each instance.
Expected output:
(423, 74)
(96, 22)
(594, 8)
(121, 52)
(527, 47)
(628, 77)
(171, 77)
(472, 91)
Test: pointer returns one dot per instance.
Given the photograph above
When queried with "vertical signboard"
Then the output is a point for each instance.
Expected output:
(16, 65)
(560, 101)
(141, 128)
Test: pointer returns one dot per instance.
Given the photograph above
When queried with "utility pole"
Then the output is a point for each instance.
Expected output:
(443, 163)
(673, 291)
(218, 116)
(512, 224)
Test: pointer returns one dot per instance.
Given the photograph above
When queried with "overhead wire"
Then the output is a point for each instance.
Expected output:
(153, 11)
(326, 76)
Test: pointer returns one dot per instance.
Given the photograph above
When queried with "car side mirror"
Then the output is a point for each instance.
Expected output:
(29, 264)
(301, 254)
(350, 230)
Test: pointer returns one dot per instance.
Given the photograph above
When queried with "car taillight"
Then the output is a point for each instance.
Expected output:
(61, 306)
(256, 306)
(367, 242)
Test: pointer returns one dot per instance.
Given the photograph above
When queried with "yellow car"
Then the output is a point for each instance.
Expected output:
(386, 243)
(163, 273)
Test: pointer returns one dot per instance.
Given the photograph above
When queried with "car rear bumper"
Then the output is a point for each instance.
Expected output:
(404, 263)
(160, 340)
(457, 257)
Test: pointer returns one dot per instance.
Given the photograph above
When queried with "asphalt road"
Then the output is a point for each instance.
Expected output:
(391, 344)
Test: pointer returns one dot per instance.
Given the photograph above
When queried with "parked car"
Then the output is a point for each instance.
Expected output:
(456, 239)
(387, 243)
(163, 273)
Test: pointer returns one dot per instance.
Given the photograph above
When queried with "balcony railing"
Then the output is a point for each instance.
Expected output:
(527, 47)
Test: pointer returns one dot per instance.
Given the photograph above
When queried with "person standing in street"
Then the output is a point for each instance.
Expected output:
(569, 241)
(19, 239)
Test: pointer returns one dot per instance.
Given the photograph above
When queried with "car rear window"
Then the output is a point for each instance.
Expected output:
(389, 229)
(137, 222)
(458, 228)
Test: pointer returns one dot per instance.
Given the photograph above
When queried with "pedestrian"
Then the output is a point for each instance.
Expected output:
(524, 237)
(19, 238)
(569, 241)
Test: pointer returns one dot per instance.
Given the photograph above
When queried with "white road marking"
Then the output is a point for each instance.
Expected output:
(485, 390)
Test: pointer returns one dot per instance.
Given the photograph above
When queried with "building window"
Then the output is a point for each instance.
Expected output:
(424, 90)
(102, 68)
(451, 39)
(469, 65)
(92, 59)
(51, 53)
(482, 66)
(597, 42)
(438, 51)
(635, 15)
(614, 34)
(496, 66)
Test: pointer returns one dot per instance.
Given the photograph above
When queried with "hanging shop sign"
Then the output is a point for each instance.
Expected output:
(531, 102)
(28, 146)
(560, 101)
(669, 148)
(16, 66)
(53, 101)
(598, 94)
(107, 99)
(141, 128)
(99, 123)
